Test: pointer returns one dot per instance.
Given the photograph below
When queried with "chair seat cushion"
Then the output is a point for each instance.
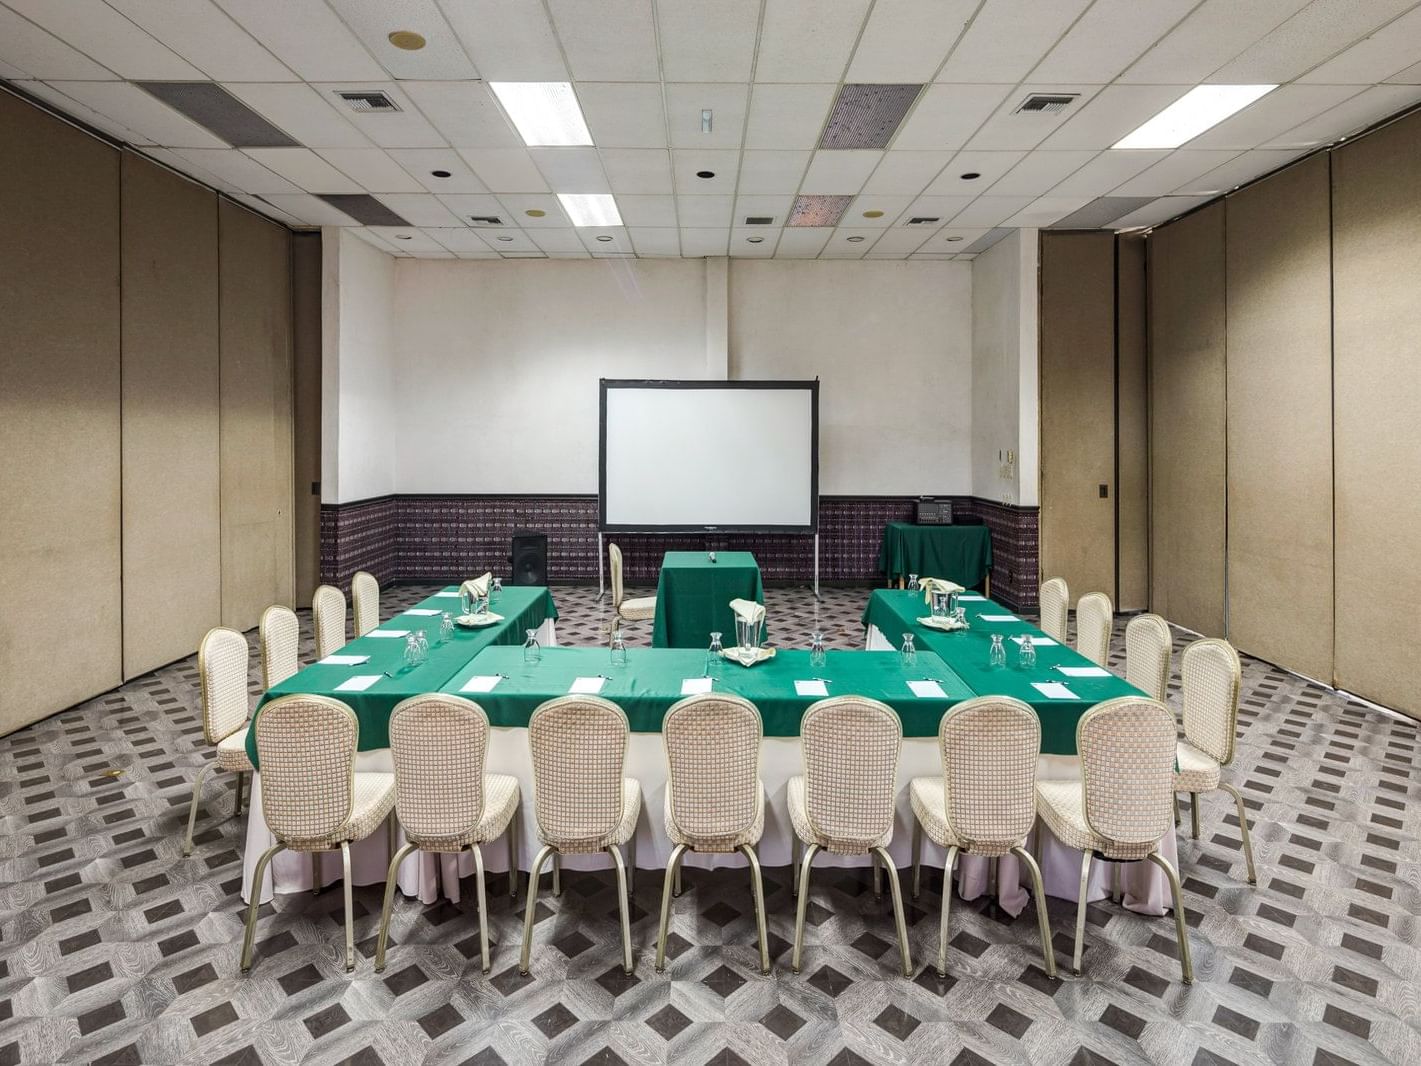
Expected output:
(232, 753)
(1197, 771)
(928, 796)
(751, 834)
(501, 797)
(799, 818)
(373, 800)
(1061, 805)
(641, 609)
(620, 834)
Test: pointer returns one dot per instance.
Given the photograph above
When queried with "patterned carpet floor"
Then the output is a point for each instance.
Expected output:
(114, 948)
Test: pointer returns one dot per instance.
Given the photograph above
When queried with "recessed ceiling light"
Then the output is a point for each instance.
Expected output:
(402, 236)
(971, 175)
(705, 173)
(853, 240)
(1192, 114)
(603, 238)
(407, 39)
(954, 238)
(590, 208)
(755, 240)
(545, 112)
(873, 214)
(440, 173)
(535, 212)
(505, 239)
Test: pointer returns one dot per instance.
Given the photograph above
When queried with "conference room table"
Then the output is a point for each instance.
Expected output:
(960, 553)
(693, 597)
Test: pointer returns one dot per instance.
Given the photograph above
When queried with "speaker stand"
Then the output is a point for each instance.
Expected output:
(816, 565)
(601, 565)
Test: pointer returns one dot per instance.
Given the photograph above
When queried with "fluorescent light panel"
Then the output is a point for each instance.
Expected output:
(546, 113)
(590, 208)
(1193, 113)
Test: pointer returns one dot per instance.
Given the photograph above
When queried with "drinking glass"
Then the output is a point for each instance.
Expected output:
(532, 652)
(411, 651)
(495, 589)
(952, 603)
(913, 585)
(466, 601)
(713, 656)
(619, 648)
(959, 616)
(446, 627)
(1026, 654)
(747, 638)
(939, 602)
(817, 655)
(997, 654)
(909, 653)
(421, 640)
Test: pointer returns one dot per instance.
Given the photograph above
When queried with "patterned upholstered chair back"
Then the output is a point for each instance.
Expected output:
(1211, 673)
(365, 601)
(1055, 603)
(439, 745)
(851, 747)
(713, 751)
(579, 746)
(328, 620)
(222, 669)
(1148, 648)
(1094, 618)
(1126, 747)
(279, 636)
(306, 747)
(614, 559)
(990, 746)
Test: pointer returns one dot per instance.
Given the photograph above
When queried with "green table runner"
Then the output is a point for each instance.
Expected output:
(693, 597)
(958, 553)
(523, 607)
(896, 612)
(651, 682)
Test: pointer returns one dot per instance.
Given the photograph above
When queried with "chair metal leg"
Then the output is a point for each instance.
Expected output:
(757, 889)
(877, 879)
(391, 833)
(631, 864)
(513, 856)
(946, 909)
(804, 867)
(624, 906)
(390, 884)
(241, 780)
(557, 874)
(1181, 925)
(676, 889)
(795, 847)
(1194, 813)
(483, 905)
(1243, 828)
(533, 873)
(917, 857)
(1080, 914)
(1043, 920)
(192, 809)
(255, 904)
(898, 918)
(349, 907)
(1174, 797)
(316, 864)
(1115, 882)
(666, 886)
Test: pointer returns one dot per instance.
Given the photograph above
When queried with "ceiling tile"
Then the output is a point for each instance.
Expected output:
(943, 208)
(308, 38)
(406, 128)
(907, 40)
(1172, 172)
(308, 209)
(1007, 38)
(407, 239)
(1009, 128)
(1237, 171)
(948, 115)
(1279, 111)
(39, 53)
(372, 168)
(1390, 49)
(508, 40)
(614, 40)
(1112, 113)
(1409, 76)
(637, 170)
(442, 56)
(623, 114)
(105, 36)
(1107, 170)
(517, 205)
(704, 211)
(619, 244)
(696, 243)
(305, 168)
(467, 205)
(465, 112)
(1039, 172)
(307, 115)
(237, 169)
(1214, 33)
(1162, 210)
(1306, 39)
(775, 207)
(656, 241)
(422, 162)
(804, 242)
(568, 255)
(989, 165)
(457, 238)
(505, 169)
(807, 40)
(69, 106)
(206, 37)
(653, 212)
(375, 241)
(506, 240)
(265, 209)
(686, 163)
(990, 210)
(787, 116)
(562, 239)
(891, 206)
(900, 241)
(848, 243)
(839, 172)
(1108, 38)
(906, 173)
(1045, 210)
(197, 172)
(1369, 106)
(684, 104)
(754, 242)
(130, 106)
(707, 42)
(767, 173)
(570, 169)
(949, 240)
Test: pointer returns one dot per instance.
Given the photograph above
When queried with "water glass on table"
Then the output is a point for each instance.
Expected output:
(817, 655)
(532, 651)
(908, 652)
(495, 589)
(997, 654)
(713, 656)
(446, 627)
(1026, 654)
(619, 647)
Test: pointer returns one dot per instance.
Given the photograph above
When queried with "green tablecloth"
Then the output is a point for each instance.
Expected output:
(523, 607)
(651, 682)
(895, 612)
(693, 597)
(957, 553)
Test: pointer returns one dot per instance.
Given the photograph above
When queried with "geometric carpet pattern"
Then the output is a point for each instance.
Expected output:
(114, 948)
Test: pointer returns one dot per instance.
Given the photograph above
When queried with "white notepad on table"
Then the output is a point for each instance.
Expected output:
(1084, 671)
(388, 633)
(358, 683)
(1054, 690)
(344, 660)
(481, 683)
(1038, 642)
(587, 686)
(451, 594)
(695, 686)
(927, 690)
(811, 688)
(426, 611)
(998, 618)
(971, 597)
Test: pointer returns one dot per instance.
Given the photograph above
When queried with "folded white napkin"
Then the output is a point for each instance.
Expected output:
(929, 585)
(749, 610)
(477, 586)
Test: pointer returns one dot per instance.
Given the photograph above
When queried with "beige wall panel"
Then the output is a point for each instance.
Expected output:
(1132, 493)
(59, 416)
(1187, 423)
(1078, 410)
(1279, 317)
(171, 519)
(255, 391)
(1376, 218)
(306, 409)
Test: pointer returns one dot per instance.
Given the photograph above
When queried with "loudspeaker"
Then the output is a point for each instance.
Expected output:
(530, 559)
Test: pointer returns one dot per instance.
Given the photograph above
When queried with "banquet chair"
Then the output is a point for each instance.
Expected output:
(985, 801)
(582, 803)
(1055, 606)
(843, 803)
(313, 799)
(640, 609)
(1120, 808)
(222, 671)
(444, 800)
(278, 635)
(328, 620)
(1211, 675)
(365, 602)
(715, 800)
(1094, 618)
(1148, 650)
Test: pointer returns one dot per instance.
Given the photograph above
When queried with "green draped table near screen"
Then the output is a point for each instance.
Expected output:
(957, 553)
(651, 682)
(693, 597)
(896, 612)
(523, 607)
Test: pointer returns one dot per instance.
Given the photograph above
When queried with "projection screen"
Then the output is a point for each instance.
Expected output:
(679, 456)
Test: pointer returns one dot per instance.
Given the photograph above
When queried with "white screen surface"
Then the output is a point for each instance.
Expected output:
(690, 456)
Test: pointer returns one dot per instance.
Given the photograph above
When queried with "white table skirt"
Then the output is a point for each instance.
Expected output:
(428, 876)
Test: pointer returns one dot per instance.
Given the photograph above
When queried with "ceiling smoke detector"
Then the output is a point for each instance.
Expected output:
(1047, 103)
(368, 100)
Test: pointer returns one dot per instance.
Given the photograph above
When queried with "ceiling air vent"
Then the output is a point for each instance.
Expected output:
(485, 220)
(922, 220)
(759, 220)
(1047, 103)
(369, 100)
